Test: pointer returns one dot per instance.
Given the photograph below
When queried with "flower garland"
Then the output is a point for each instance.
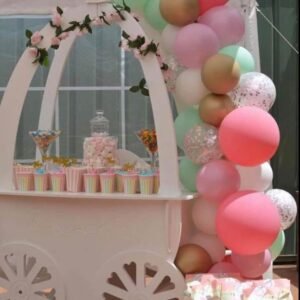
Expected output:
(136, 44)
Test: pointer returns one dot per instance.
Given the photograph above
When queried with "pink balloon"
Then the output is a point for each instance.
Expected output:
(224, 268)
(194, 44)
(249, 136)
(247, 222)
(252, 266)
(227, 22)
(212, 244)
(217, 180)
(205, 5)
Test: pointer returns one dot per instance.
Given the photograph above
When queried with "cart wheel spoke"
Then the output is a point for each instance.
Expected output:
(115, 291)
(154, 283)
(10, 274)
(45, 285)
(33, 273)
(20, 265)
(126, 279)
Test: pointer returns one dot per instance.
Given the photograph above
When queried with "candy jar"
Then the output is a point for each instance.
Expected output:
(99, 124)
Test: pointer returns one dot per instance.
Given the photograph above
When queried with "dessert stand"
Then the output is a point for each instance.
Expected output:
(79, 246)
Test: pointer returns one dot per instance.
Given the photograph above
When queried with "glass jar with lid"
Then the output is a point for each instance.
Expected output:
(99, 124)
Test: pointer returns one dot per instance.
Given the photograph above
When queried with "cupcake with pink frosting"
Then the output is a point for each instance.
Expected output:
(91, 181)
(41, 180)
(58, 180)
(108, 182)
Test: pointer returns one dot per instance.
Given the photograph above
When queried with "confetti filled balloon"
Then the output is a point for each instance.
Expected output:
(179, 12)
(220, 74)
(201, 144)
(214, 108)
(254, 89)
(192, 259)
(286, 205)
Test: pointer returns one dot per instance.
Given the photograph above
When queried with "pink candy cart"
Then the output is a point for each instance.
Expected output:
(72, 246)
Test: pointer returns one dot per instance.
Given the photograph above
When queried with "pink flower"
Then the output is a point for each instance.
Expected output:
(36, 38)
(55, 41)
(33, 52)
(63, 36)
(137, 53)
(97, 22)
(56, 19)
(113, 17)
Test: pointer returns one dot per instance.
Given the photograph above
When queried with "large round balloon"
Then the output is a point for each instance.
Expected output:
(227, 22)
(249, 136)
(133, 4)
(204, 216)
(189, 87)
(153, 15)
(252, 266)
(213, 246)
(247, 222)
(192, 259)
(220, 74)
(168, 38)
(184, 122)
(214, 108)
(254, 89)
(194, 44)
(224, 268)
(244, 58)
(201, 144)
(188, 173)
(278, 245)
(258, 178)
(217, 180)
(286, 205)
(179, 12)
(206, 5)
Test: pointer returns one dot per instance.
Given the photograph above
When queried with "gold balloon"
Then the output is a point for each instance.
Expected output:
(180, 12)
(221, 74)
(214, 108)
(192, 259)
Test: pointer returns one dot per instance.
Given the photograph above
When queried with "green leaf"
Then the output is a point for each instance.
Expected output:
(145, 92)
(87, 19)
(89, 29)
(58, 31)
(59, 10)
(125, 35)
(28, 33)
(51, 24)
(134, 89)
(142, 83)
(46, 61)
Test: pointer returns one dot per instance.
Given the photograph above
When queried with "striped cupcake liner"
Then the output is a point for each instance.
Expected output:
(25, 182)
(107, 184)
(58, 182)
(146, 185)
(41, 182)
(74, 178)
(120, 184)
(130, 185)
(91, 183)
(156, 184)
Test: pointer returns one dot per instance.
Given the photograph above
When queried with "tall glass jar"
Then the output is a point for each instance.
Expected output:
(99, 124)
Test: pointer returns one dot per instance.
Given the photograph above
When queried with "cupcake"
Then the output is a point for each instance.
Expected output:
(108, 182)
(156, 182)
(130, 182)
(58, 181)
(91, 182)
(25, 181)
(41, 180)
(146, 179)
(119, 181)
(74, 178)
(20, 168)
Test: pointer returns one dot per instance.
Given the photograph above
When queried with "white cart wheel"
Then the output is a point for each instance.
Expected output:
(28, 273)
(139, 276)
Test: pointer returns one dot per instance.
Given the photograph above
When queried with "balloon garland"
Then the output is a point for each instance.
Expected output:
(228, 137)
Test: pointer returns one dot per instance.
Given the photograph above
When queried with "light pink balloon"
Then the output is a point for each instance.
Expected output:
(204, 216)
(217, 180)
(212, 244)
(194, 44)
(224, 268)
(227, 22)
(247, 222)
(252, 266)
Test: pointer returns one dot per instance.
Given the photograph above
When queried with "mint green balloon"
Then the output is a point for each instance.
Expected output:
(188, 172)
(278, 245)
(184, 122)
(153, 15)
(242, 56)
(133, 4)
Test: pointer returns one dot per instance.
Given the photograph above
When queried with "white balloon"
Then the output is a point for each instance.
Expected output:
(213, 246)
(258, 178)
(286, 205)
(189, 87)
(168, 36)
(254, 89)
(204, 216)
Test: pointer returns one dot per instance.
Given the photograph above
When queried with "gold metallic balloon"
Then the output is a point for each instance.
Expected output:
(180, 12)
(220, 74)
(192, 259)
(214, 108)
